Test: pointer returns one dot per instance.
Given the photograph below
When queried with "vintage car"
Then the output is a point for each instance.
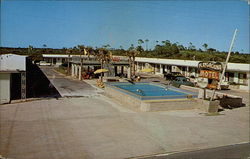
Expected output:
(180, 80)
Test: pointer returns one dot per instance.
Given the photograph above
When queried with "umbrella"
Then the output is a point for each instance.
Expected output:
(100, 71)
(147, 70)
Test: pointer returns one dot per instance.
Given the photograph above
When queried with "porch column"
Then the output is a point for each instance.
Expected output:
(128, 72)
(80, 73)
(187, 71)
(161, 69)
(72, 70)
(75, 71)
(236, 77)
(122, 70)
(115, 67)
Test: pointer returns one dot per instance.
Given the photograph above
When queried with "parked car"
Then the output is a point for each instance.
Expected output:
(180, 80)
(44, 63)
(172, 75)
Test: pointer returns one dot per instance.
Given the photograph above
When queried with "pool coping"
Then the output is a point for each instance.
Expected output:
(188, 94)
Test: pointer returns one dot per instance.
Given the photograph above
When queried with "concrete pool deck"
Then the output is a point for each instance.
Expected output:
(101, 128)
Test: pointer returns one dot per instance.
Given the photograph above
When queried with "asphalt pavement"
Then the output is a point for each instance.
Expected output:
(66, 85)
(237, 151)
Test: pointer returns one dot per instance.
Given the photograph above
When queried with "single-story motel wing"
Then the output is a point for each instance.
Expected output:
(12, 77)
(237, 73)
(13, 70)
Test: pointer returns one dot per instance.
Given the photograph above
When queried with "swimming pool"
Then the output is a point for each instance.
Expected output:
(145, 96)
(151, 91)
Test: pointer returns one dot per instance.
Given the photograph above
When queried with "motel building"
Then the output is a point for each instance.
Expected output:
(236, 73)
(12, 77)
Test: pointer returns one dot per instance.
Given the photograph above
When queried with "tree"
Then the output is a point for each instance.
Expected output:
(30, 49)
(106, 46)
(181, 47)
(146, 41)
(69, 52)
(167, 49)
(140, 41)
(104, 56)
(131, 47)
(167, 43)
(205, 46)
(139, 48)
(34, 54)
(44, 45)
(82, 51)
(211, 50)
(131, 56)
(191, 47)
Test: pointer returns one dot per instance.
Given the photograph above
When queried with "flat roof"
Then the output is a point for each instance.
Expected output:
(12, 63)
(191, 63)
(240, 67)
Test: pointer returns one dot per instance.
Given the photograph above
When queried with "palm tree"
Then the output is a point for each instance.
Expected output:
(131, 47)
(147, 44)
(157, 42)
(191, 46)
(69, 51)
(104, 56)
(131, 56)
(81, 49)
(30, 49)
(140, 41)
(205, 46)
(44, 45)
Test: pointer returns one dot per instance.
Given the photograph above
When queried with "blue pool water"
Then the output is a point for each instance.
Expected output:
(149, 90)
(152, 91)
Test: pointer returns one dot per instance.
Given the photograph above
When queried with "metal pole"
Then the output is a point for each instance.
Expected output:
(225, 65)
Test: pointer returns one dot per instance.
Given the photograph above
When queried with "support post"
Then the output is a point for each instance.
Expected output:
(23, 86)
(72, 70)
(80, 73)
(161, 69)
(122, 70)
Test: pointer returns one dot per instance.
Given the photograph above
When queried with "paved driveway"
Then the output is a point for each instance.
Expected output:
(66, 86)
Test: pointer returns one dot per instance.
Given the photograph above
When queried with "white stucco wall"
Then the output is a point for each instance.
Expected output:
(11, 62)
(230, 67)
(4, 88)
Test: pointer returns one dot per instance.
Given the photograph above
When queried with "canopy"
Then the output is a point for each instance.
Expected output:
(100, 71)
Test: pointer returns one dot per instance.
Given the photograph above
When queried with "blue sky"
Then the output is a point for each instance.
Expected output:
(121, 23)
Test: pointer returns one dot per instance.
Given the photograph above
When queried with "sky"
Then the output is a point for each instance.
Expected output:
(63, 23)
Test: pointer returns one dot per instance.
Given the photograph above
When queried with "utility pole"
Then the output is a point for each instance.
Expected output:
(225, 65)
